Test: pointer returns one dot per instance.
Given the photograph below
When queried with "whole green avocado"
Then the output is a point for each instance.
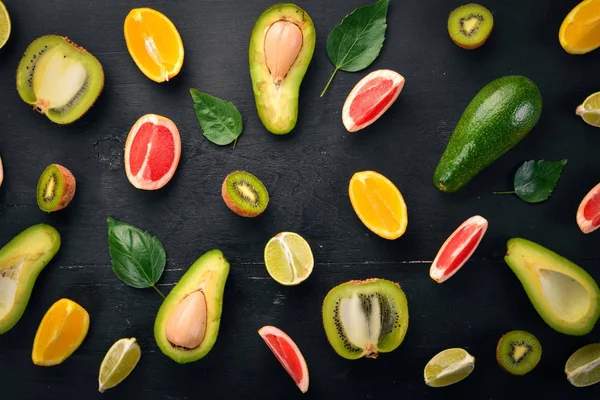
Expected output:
(497, 118)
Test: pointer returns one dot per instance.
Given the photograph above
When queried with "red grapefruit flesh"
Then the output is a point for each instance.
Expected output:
(152, 152)
(370, 98)
(287, 353)
(588, 213)
(458, 248)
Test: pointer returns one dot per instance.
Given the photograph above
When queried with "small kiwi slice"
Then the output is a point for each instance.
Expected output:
(518, 352)
(59, 78)
(56, 188)
(470, 25)
(365, 318)
(244, 194)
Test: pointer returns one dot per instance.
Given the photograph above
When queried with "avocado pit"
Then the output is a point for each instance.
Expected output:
(283, 42)
(186, 326)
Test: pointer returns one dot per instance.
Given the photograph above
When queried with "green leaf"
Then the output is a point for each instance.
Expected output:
(220, 120)
(356, 42)
(138, 257)
(535, 180)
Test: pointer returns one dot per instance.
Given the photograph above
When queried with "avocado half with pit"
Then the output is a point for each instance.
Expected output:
(59, 78)
(281, 47)
(565, 296)
(187, 323)
(21, 261)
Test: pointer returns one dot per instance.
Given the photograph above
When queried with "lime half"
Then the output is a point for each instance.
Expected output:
(448, 367)
(288, 258)
(583, 367)
(118, 363)
(4, 25)
(590, 110)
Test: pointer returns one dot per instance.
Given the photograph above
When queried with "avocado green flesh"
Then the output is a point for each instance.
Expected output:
(21, 261)
(60, 79)
(497, 118)
(277, 104)
(565, 296)
(207, 274)
(372, 315)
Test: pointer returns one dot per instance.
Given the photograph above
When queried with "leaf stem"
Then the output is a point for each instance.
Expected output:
(509, 192)
(158, 291)
(329, 81)
(235, 142)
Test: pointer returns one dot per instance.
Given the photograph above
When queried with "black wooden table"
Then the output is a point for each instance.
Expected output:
(307, 173)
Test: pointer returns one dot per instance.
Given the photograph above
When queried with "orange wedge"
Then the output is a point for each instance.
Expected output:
(60, 333)
(154, 43)
(379, 204)
(580, 31)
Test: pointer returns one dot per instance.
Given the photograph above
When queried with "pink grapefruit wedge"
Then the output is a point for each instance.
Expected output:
(588, 213)
(287, 353)
(370, 98)
(1, 172)
(152, 152)
(458, 248)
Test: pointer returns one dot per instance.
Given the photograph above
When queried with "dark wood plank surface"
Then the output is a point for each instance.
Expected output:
(307, 173)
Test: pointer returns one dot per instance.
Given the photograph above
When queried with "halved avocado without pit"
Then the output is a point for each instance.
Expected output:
(565, 295)
(21, 261)
(187, 323)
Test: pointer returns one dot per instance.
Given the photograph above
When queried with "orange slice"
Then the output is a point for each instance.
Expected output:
(60, 333)
(580, 31)
(379, 204)
(154, 43)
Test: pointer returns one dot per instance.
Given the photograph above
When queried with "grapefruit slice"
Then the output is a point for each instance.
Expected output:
(370, 98)
(1, 172)
(152, 152)
(588, 213)
(458, 248)
(287, 353)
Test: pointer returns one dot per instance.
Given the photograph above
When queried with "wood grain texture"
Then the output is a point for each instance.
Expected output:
(307, 173)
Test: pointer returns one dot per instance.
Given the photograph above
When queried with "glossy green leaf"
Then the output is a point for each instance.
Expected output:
(356, 42)
(535, 180)
(220, 120)
(138, 257)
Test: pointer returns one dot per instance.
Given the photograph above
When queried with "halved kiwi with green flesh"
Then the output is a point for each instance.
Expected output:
(56, 188)
(518, 352)
(470, 25)
(365, 318)
(244, 194)
(59, 78)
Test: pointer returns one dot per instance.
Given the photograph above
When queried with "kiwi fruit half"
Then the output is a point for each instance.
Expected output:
(60, 79)
(56, 188)
(470, 25)
(244, 194)
(365, 318)
(518, 352)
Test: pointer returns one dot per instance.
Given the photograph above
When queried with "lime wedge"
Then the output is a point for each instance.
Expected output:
(583, 367)
(118, 363)
(4, 25)
(448, 367)
(590, 110)
(288, 258)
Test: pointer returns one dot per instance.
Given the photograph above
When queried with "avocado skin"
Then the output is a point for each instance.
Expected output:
(497, 118)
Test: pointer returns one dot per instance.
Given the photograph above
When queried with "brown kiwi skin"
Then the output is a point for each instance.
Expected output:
(232, 205)
(69, 186)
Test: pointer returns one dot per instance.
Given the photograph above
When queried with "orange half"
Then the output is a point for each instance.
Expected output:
(580, 31)
(379, 204)
(60, 333)
(154, 43)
